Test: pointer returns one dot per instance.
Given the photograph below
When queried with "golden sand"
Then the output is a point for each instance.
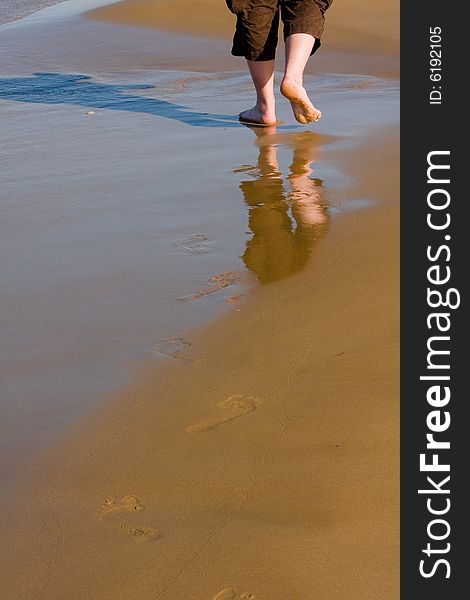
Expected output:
(264, 462)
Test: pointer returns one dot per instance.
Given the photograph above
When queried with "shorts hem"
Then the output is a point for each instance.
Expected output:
(255, 56)
(315, 32)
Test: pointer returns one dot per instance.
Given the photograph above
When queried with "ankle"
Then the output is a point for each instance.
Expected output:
(265, 106)
(290, 78)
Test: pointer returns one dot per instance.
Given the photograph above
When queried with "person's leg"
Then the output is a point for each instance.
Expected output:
(298, 50)
(304, 22)
(256, 37)
(264, 111)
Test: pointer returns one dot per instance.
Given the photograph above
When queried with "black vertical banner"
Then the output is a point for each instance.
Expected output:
(435, 266)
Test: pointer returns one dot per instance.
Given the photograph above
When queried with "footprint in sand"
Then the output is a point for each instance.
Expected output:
(216, 283)
(111, 509)
(125, 504)
(172, 347)
(195, 244)
(232, 594)
(234, 299)
(142, 533)
(235, 406)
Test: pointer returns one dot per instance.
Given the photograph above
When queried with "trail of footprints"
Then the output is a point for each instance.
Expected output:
(117, 512)
(114, 511)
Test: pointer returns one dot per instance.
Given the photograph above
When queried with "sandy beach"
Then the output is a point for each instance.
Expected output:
(201, 341)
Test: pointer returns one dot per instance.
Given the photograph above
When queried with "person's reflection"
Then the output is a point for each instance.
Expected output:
(285, 217)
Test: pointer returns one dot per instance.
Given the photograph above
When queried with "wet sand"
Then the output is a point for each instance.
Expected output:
(266, 461)
(260, 460)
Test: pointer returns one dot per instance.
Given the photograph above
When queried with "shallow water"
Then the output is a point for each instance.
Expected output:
(136, 207)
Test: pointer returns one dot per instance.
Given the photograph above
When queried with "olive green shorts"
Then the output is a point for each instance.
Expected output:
(256, 32)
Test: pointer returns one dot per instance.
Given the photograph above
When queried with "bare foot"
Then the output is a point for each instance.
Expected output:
(304, 111)
(257, 116)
